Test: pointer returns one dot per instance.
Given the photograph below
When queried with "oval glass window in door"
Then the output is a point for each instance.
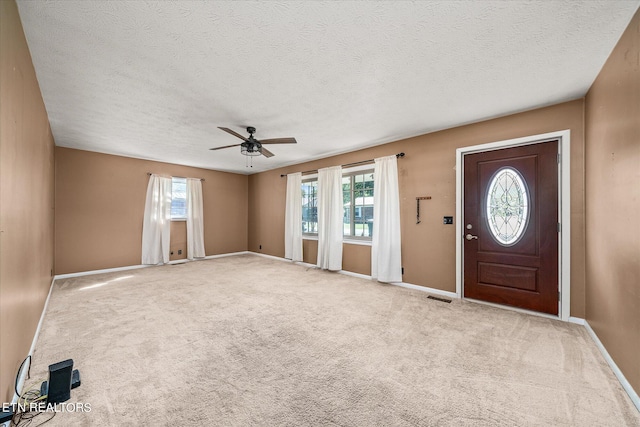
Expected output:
(507, 206)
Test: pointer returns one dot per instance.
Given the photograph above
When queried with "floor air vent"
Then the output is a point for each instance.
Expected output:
(439, 299)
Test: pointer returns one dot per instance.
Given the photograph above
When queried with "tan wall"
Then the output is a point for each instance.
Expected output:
(178, 240)
(428, 248)
(26, 199)
(355, 258)
(613, 204)
(100, 206)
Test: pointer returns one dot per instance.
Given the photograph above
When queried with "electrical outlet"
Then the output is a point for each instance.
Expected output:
(447, 220)
(179, 251)
(260, 246)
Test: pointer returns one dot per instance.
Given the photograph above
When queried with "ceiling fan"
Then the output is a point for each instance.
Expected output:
(252, 146)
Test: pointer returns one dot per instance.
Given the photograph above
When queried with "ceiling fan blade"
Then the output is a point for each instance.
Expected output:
(265, 152)
(234, 133)
(226, 146)
(279, 141)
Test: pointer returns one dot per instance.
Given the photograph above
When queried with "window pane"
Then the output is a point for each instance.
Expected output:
(368, 184)
(368, 210)
(346, 203)
(346, 216)
(178, 198)
(310, 207)
(359, 203)
(364, 202)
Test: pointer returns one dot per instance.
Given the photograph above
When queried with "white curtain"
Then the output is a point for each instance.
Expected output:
(156, 228)
(330, 214)
(195, 225)
(293, 218)
(386, 261)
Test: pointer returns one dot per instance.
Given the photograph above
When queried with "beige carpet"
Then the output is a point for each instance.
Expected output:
(246, 340)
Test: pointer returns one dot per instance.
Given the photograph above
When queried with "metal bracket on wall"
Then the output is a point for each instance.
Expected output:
(418, 207)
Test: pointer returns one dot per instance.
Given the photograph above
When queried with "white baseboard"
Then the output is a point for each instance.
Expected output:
(516, 309)
(227, 254)
(180, 261)
(269, 256)
(305, 264)
(133, 267)
(617, 372)
(426, 289)
(576, 320)
(106, 270)
(404, 285)
(23, 373)
(352, 274)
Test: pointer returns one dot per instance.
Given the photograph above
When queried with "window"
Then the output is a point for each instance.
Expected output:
(357, 197)
(310, 206)
(178, 198)
(507, 206)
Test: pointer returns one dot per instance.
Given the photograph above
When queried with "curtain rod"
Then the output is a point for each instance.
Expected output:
(201, 179)
(399, 155)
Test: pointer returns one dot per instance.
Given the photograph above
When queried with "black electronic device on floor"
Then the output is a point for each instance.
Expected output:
(62, 378)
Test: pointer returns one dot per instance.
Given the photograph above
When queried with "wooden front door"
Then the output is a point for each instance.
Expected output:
(511, 227)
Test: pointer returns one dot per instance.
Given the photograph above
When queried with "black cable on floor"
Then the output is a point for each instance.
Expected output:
(18, 374)
(25, 419)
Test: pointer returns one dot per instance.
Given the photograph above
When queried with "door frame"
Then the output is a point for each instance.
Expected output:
(564, 213)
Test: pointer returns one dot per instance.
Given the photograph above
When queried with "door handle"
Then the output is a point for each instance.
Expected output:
(471, 237)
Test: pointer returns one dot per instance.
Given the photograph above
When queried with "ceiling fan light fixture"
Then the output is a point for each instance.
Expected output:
(250, 150)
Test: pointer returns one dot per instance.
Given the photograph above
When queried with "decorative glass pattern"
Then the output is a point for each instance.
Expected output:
(507, 206)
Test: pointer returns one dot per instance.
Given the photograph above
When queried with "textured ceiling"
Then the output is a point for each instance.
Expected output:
(154, 79)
